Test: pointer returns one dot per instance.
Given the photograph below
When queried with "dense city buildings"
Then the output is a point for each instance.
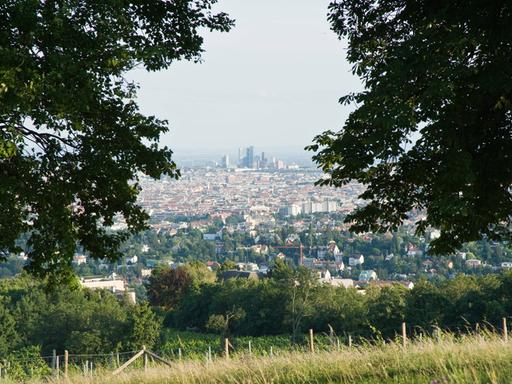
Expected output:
(223, 192)
(262, 210)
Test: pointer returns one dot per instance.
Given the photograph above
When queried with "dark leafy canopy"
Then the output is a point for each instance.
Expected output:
(72, 140)
(432, 128)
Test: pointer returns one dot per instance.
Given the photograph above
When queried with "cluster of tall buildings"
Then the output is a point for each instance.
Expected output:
(248, 159)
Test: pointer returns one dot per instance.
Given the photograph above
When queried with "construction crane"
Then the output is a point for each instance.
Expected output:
(299, 247)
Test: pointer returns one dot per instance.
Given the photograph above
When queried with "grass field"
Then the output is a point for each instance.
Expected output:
(469, 359)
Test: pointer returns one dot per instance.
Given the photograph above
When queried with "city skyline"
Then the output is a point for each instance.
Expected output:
(235, 157)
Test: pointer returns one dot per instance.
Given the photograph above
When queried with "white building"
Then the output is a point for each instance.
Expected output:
(339, 282)
(324, 276)
(473, 263)
(79, 259)
(356, 260)
(145, 272)
(368, 275)
(247, 266)
(112, 283)
(132, 260)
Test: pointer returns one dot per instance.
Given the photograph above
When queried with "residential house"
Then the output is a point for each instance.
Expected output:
(132, 260)
(247, 266)
(356, 260)
(260, 249)
(324, 276)
(79, 259)
(473, 263)
(145, 272)
(212, 265)
(367, 275)
(413, 251)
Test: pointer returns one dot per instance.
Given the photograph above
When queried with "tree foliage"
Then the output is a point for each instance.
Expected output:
(78, 320)
(73, 141)
(432, 128)
(167, 286)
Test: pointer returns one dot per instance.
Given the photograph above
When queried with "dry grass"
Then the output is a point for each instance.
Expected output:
(469, 359)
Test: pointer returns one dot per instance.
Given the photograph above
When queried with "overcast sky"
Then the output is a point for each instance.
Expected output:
(273, 82)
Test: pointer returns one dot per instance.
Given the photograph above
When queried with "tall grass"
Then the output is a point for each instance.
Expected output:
(482, 358)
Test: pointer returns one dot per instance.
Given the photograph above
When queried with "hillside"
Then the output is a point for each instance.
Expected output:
(471, 359)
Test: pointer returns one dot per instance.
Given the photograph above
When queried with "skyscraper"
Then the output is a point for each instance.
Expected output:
(241, 156)
(249, 157)
(263, 160)
(225, 161)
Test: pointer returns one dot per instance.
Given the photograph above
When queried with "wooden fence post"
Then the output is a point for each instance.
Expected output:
(505, 330)
(250, 348)
(54, 360)
(226, 348)
(350, 341)
(66, 363)
(57, 365)
(311, 342)
(145, 357)
(338, 344)
(271, 351)
(179, 354)
(404, 334)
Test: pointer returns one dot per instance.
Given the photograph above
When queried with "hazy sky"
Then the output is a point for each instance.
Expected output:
(274, 81)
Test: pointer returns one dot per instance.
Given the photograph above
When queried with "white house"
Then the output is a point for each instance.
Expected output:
(132, 260)
(324, 276)
(356, 260)
(145, 272)
(413, 251)
(247, 266)
(79, 259)
(473, 263)
(367, 275)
